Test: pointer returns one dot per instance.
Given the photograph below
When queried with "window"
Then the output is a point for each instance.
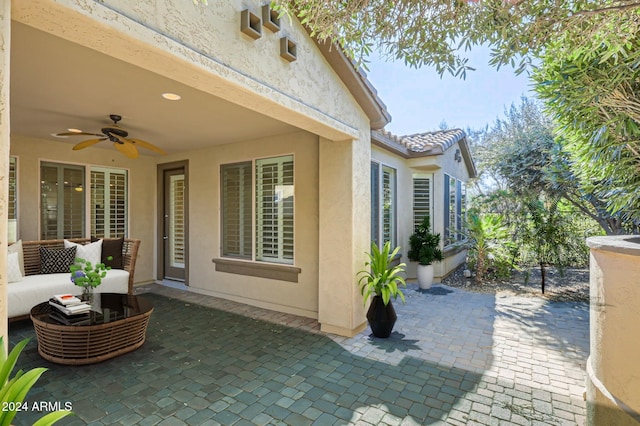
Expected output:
(260, 229)
(375, 203)
(421, 199)
(63, 206)
(62, 201)
(383, 204)
(12, 201)
(455, 209)
(108, 203)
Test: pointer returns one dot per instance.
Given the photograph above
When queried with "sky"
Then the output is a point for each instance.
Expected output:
(419, 100)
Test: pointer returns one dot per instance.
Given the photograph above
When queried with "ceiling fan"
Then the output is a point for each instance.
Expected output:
(126, 145)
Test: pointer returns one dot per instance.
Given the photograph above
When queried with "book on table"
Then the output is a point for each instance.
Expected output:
(66, 299)
(79, 319)
(80, 308)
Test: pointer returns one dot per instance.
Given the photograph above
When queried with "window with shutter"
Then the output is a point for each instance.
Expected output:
(265, 223)
(383, 204)
(421, 199)
(375, 203)
(388, 205)
(274, 209)
(108, 202)
(236, 182)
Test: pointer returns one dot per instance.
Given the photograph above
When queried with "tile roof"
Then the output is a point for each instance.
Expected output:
(427, 143)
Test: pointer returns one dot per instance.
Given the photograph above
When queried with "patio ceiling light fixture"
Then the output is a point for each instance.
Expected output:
(171, 96)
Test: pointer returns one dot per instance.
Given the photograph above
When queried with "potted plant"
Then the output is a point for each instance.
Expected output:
(87, 276)
(424, 248)
(382, 280)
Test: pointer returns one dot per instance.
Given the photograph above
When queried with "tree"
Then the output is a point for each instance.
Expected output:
(594, 95)
(437, 33)
(523, 155)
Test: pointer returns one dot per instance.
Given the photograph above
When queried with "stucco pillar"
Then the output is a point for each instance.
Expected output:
(344, 232)
(613, 370)
(5, 48)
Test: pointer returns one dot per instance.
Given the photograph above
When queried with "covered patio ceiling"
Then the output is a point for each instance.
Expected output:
(57, 85)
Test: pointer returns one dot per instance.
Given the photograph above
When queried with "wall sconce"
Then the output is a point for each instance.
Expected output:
(457, 156)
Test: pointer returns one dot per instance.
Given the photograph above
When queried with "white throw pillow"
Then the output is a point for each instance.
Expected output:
(17, 248)
(13, 268)
(90, 252)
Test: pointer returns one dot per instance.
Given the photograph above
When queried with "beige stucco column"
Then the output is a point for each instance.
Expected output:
(344, 234)
(5, 48)
(613, 370)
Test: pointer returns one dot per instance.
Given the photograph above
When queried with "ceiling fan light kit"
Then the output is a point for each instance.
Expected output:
(120, 137)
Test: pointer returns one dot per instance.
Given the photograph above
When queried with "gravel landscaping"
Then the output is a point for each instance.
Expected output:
(572, 284)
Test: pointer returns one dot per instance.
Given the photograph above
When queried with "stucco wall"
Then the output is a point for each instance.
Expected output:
(202, 47)
(404, 196)
(142, 194)
(613, 372)
(204, 224)
(437, 165)
(5, 42)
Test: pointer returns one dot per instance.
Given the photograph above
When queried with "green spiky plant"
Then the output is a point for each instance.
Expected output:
(15, 389)
(382, 279)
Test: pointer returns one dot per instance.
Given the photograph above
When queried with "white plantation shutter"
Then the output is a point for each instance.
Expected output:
(12, 202)
(176, 226)
(388, 205)
(108, 203)
(421, 199)
(274, 209)
(236, 189)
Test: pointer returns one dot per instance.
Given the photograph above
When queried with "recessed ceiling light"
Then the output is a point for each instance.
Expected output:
(75, 130)
(55, 135)
(171, 96)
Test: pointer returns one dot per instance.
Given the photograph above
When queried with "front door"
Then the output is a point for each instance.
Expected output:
(174, 224)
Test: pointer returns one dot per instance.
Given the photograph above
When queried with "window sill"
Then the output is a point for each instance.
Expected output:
(454, 248)
(257, 269)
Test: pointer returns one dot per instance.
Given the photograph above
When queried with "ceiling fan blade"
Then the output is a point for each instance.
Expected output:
(78, 134)
(127, 148)
(87, 143)
(147, 145)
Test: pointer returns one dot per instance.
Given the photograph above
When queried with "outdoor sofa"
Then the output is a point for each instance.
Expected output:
(35, 287)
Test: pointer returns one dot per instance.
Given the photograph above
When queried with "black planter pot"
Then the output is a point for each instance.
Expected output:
(381, 318)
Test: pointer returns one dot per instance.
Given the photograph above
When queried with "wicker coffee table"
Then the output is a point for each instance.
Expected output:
(116, 325)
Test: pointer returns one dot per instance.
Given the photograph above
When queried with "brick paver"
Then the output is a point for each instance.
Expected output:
(454, 358)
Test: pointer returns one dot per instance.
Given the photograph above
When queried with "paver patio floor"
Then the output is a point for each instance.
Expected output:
(455, 357)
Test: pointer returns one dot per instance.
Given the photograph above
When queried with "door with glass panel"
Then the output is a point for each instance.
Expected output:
(174, 217)
(62, 201)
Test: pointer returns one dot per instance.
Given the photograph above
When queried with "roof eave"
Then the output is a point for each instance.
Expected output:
(357, 83)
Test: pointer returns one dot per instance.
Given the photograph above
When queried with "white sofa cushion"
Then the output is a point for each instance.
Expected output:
(91, 252)
(34, 289)
(13, 268)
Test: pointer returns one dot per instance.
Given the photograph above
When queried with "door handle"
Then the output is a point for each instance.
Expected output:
(165, 238)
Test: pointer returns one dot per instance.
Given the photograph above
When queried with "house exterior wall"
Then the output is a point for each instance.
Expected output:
(205, 224)
(5, 43)
(202, 46)
(437, 166)
(141, 194)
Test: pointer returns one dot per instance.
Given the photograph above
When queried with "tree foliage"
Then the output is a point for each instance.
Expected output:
(439, 33)
(521, 153)
(594, 95)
